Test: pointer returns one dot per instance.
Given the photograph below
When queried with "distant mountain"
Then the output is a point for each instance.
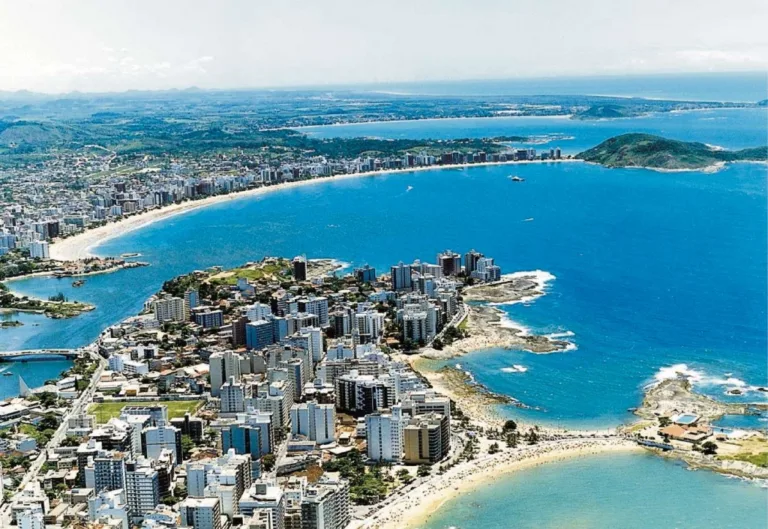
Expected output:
(655, 152)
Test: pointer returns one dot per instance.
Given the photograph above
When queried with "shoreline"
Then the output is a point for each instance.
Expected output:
(419, 505)
(80, 246)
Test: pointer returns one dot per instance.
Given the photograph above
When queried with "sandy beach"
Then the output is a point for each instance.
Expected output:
(415, 508)
(80, 246)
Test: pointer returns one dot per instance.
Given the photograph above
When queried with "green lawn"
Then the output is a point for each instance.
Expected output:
(177, 408)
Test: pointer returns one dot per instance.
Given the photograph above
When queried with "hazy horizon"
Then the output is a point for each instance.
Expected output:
(89, 46)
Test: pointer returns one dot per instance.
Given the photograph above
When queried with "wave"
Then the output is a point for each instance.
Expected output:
(698, 377)
(516, 368)
(541, 278)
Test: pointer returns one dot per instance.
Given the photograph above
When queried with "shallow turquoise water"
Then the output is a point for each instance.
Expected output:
(625, 491)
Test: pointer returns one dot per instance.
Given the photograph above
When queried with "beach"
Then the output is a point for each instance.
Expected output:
(81, 245)
(415, 508)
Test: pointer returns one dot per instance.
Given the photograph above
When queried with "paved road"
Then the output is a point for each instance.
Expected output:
(79, 405)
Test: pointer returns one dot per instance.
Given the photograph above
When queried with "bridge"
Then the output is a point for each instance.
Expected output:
(37, 354)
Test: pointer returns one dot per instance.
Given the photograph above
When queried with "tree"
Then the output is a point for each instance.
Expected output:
(423, 471)
(493, 449)
(532, 437)
(268, 462)
(187, 445)
(404, 476)
(709, 448)
(510, 426)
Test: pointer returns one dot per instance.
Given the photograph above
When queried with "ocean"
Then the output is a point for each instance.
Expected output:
(654, 273)
(630, 491)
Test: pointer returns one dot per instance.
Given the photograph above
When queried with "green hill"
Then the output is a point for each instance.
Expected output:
(602, 112)
(646, 150)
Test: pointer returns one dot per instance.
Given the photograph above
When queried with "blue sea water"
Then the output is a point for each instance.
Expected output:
(652, 270)
(733, 87)
(628, 491)
(730, 129)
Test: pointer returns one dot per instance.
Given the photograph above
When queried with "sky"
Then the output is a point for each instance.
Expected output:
(114, 45)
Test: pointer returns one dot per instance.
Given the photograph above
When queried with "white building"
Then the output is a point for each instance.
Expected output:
(142, 487)
(32, 518)
(222, 367)
(161, 437)
(168, 308)
(384, 433)
(201, 513)
(314, 421)
(265, 495)
(39, 250)
(107, 505)
(232, 397)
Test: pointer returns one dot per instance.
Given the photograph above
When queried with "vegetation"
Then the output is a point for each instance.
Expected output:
(268, 462)
(647, 150)
(367, 484)
(760, 459)
(103, 411)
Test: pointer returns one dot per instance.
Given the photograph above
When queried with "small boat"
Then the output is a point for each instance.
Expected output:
(529, 219)
(78, 283)
(516, 178)
(7, 374)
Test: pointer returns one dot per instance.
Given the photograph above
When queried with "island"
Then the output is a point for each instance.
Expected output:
(56, 307)
(655, 152)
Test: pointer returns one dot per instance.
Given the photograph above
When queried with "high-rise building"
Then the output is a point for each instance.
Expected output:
(155, 439)
(325, 504)
(31, 518)
(191, 302)
(314, 421)
(252, 433)
(233, 395)
(105, 471)
(317, 306)
(426, 439)
(300, 268)
(449, 262)
(401, 277)
(201, 513)
(470, 261)
(362, 394)
(366, 274)
(265, 495)
(384, 435)
(109, 505)
(142, 487)
(168, 308)
(222, 367)
(39, 250)
(259, 334)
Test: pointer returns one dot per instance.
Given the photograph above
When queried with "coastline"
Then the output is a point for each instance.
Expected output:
(417, 507)
(81, 245)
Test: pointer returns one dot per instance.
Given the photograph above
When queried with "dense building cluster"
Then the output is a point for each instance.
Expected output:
(233, 396)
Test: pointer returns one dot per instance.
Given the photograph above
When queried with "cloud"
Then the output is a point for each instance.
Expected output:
(722, 56)
(196, 65)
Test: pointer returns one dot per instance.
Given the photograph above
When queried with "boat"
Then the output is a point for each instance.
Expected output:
(78, 283)
(516, 178)
(129, 255)
(7, 374)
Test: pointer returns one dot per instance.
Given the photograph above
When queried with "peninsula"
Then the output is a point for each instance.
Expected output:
(655, 152)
